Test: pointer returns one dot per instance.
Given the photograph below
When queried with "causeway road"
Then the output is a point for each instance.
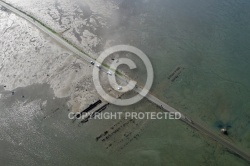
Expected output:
(153, 99)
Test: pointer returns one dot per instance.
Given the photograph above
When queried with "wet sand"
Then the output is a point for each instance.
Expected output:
(166, 57)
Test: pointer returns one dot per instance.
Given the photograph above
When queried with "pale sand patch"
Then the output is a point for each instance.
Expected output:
(31, 57)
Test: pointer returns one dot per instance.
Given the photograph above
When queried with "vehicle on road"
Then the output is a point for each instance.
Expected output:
(98, 66)
(109, 73)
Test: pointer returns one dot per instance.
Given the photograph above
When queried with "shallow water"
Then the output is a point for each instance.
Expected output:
(35, 130)
(209, 39)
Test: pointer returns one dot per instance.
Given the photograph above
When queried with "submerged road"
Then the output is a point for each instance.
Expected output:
(153, 99)
(165, 107)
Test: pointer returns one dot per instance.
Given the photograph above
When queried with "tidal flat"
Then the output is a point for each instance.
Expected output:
(207, 39)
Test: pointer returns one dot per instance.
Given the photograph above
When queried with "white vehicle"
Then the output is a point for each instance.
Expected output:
(119, 88)
(109, 73)
(98, 66)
